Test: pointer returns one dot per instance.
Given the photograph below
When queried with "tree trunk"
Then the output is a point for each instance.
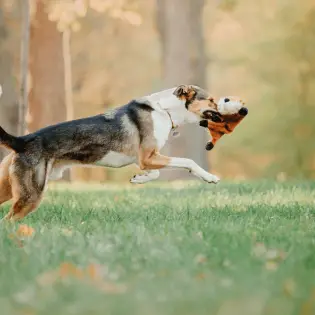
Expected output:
(9, 104)
(47, 97)
(184, 62)
(47, 100)
(24, 60)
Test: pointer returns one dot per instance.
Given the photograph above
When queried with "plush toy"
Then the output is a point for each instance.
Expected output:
(220, 125)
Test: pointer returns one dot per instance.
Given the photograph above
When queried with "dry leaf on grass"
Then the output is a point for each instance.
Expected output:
(92, 275)
(25, 231)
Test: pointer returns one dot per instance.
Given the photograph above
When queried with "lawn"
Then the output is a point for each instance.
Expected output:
(230, 249)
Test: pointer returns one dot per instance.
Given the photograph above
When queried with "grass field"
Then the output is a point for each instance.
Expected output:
(230, 249)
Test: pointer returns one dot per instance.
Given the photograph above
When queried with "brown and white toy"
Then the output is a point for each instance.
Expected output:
(230, 112)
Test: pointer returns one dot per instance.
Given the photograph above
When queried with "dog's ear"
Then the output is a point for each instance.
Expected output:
(185, 92)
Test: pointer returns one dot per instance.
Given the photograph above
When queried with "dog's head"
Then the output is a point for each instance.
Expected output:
(196, 99)
(230, 113)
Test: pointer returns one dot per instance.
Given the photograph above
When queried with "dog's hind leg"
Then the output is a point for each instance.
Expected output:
(5, 184)
(28, 185)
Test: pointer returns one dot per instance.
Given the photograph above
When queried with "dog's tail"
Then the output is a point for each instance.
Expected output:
(16, 144)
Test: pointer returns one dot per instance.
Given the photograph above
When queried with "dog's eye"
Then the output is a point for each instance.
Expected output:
(226, 100)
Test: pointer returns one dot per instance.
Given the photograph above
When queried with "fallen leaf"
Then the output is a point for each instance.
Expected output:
(25, 230)
(91, 274)
(68, 269)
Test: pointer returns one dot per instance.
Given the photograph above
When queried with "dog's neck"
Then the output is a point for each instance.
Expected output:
(168, 102)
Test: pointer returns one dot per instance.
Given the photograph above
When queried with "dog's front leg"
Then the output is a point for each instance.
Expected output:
(152, 160)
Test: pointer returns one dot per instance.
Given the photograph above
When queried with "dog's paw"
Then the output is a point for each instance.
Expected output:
(211, 179)
(144, 178)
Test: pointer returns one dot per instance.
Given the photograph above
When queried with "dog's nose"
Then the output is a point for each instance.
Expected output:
(243, 111)
(226, 100)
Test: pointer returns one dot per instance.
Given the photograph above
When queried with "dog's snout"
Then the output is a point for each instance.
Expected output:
(243, 111)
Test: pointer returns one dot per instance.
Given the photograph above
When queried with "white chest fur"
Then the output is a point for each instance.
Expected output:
(162, 126)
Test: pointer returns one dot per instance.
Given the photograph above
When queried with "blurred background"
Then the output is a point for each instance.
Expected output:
(65, 59)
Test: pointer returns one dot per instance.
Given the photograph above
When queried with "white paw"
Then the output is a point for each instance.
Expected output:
(144, 178)
(212, 179)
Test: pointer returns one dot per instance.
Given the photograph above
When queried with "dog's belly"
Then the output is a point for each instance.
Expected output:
(115, 159)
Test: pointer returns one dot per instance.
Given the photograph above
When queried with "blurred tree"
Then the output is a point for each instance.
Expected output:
(180, 24)
(50, 99)
(47, 93)
(9, 104)
(300, 46)
(24, 61)
(290, 73)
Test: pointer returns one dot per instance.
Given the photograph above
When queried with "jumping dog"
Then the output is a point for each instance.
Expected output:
(133, 133)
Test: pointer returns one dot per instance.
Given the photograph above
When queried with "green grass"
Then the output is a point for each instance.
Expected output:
(230, 249)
